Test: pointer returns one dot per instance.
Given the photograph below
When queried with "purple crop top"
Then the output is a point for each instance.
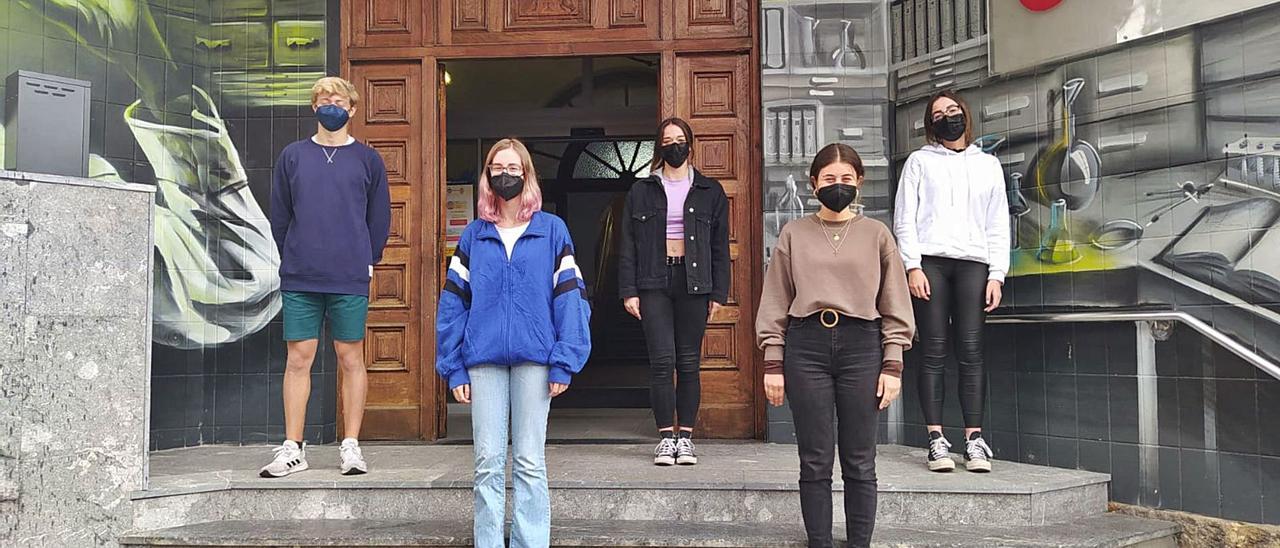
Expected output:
(676, 192)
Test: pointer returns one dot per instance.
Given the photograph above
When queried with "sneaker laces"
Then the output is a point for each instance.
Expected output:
(351, 453)
(684, 445)
(665, 447)
(939, 448)
(977, 449)
(285, 453)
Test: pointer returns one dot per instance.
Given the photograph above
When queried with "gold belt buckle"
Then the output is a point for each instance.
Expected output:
(822, 317)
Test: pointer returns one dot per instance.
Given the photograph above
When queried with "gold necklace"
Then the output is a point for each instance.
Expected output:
(836, 240)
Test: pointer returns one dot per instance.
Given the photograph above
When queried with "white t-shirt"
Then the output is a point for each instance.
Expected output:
(510, 235)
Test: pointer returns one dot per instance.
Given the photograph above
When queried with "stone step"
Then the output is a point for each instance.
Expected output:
(734, 482)
(1107, 530)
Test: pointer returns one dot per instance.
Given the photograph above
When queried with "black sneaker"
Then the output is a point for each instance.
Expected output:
(665, 453)
(684, 451)
(940, 453)
(977, 454)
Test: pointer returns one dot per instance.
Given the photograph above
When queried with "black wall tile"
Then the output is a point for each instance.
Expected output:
(1268, 415)
(1241, 494)
(1270, 484)
(1191, 412)
(167, 438)
(228, 358)
(255, 400)
(227, 435)
(1064, 452)
(1059, 349)
(1032, 408)
(1200, 482)
(1002, 401)
(1005, 444)
(168, 412)
(1060, 397)
(1194, 356)
(1122, 349)
(1237, 416)
(1034, 449)
(1170, 487)
(194, 402)
(1167, 412)
(1029, 347)
(1090, 352)
(228, 402)
(1095, 456)
(1125, 473)
(1094, 415)
(1124, 409)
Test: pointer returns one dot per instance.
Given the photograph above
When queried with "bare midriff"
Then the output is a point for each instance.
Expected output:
(675, 248)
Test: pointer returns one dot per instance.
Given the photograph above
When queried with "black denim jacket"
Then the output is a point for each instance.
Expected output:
(706, 234)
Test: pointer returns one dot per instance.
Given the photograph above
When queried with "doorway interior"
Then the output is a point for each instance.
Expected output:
(589, 124)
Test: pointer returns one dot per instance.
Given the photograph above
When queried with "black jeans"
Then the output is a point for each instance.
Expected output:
(826, 368)
(674, 322)
(956, 300)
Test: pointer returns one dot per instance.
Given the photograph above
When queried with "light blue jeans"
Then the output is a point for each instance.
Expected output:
(517, 396)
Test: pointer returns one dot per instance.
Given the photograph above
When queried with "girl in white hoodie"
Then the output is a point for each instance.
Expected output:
(951, 218)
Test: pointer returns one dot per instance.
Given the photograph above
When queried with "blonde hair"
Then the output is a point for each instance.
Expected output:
(488, 205)
(333, 85)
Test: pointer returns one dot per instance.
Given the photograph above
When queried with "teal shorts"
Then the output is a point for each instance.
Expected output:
(304, 312)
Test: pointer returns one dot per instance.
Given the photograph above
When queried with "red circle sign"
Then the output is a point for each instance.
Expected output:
(1040, 5)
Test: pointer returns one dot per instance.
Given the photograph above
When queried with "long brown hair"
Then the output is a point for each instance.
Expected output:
(932, 138)
(657, 141)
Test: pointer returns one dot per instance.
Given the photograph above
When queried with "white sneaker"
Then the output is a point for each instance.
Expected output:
(290, 458)
(665, 453)
(352, 459)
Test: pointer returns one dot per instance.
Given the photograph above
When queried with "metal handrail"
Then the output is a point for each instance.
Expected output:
(1270, 367)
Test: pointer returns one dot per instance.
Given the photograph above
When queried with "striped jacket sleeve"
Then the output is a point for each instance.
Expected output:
(452, 314)
(570, 313)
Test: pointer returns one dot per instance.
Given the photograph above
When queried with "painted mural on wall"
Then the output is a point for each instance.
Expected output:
(1145, 177)
(216, 278)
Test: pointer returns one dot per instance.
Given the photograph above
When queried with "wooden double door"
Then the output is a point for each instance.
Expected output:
(392, 50)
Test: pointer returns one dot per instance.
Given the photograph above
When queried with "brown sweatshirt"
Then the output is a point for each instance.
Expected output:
(864, 280)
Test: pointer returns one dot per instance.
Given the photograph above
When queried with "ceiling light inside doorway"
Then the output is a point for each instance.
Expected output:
(448, 79)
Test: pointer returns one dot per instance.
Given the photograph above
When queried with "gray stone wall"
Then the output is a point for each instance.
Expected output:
(75, 280)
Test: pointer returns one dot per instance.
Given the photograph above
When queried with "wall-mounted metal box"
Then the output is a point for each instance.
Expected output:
(46, 124)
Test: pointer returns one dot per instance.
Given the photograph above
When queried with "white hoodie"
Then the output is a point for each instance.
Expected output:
(954, 205)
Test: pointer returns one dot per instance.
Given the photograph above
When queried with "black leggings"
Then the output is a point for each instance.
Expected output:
(674, 322)
(838, 369)
(957, 298)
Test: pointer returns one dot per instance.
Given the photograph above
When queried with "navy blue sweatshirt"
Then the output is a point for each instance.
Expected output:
(330, 219)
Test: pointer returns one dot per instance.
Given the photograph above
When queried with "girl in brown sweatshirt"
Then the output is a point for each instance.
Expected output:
(834, 320)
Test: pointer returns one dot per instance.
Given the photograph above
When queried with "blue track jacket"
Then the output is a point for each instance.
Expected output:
(531, 308)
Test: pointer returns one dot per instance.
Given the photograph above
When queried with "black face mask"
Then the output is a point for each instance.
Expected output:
(506, 185)
(949, 128)
(837, 197)
(675, 154)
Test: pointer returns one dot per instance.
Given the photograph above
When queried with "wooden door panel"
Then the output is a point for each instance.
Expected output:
(542, 21)
(386, 22)
(713, 93)
(388, 117)
(712, 18)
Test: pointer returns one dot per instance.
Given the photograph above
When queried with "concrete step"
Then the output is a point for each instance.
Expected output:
(1107, 530)
(735, 482)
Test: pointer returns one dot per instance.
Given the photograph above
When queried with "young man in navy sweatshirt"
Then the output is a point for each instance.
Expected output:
(330, 215)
